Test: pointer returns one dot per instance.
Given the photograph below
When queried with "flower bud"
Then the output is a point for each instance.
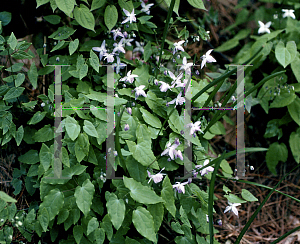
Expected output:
(129, 110)
(126, 127)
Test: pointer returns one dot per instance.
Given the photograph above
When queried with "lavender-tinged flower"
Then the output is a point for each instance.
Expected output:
(178, 154)
(206, 170)
(176, 80)
(178, 100)
(185, 65)
(102, 50)
(194, 127)
(127, 42)
(264, 27)
(178, 46)
(180, 187)
(139, 91)
(129, 77)
(129, 110)
(139, 47)
(182, 84)
(219, 222)
(119, 65)
(157, 177)
(117, 32)
(145, 8)
(109, 57)
(130, 16)
(170, 150)
(126, 127)
(232, 207)
(207, 218)
(164, 86)
(119, 47)
(207, 58)
(288, 13)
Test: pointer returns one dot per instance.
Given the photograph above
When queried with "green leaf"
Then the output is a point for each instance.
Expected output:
(58, 45)
(19, 79)
(82, 147)
(6, 197)
(285, 98)
(21, 55)
(44, 134)
(116, 209)
(5, 18)
(234, 199)
(295, 145)
(277, 152)
(73, 46)
(19, 135)
(46, 70)
(176, 5)
(217, 128)
(45, 156)
(84, 196)
(15, 67)
(295, 67)
(92, 225)
(53, 19)
(78, 233)
(13, 93)
(167, 193)
(94, 61)
(197, 4)
(136, 170)
(37, 117)
(233, 42)
(33, 75)
(294, 109)
(285, 55)
(31, 157)
(140, 193)
(90, 129)
(143, 134)
(84, 17)
(97, 4)
(44, 219)
(66, 6)
(143, 222)
(41, 2)
(12, 41)
(157, 212)
(83, 71)
(53, 202)
(183, 217)
(110, 16)
(150, 119)
(72, 127)
(247, 195)
(141, 152)
(147, 51)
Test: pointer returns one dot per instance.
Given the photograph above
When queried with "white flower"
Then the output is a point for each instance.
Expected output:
(129, 110)
(145, 8)
(119, 47)
(129, 77)
(19, 223)
(178, 100)
(42, 105)
(139, 91)
(139, 47)
(171, 150)
(185, 65)
(207, 169)
(180, 187)
(264, 27)
(207, 218)
(117, 33)
(207, 58)
(194, 127)
(109, 57)
(127, 42)
(102, 50)
(288, 13)
(232, 207)
(176, 80)
(157, 177)
(177, 46)
(178, 154)
(130, 16)
(119, 65)
(164, 86)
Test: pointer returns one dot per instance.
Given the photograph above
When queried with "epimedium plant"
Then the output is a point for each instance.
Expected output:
(150, 131)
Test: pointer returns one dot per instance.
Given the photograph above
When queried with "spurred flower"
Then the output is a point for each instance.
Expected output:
(207, 58)
(139, 91)
(129, 77)
(232, 207)
(178, 100)
(117, 32)
(109, 57)
(194, 127)
(288, 13)
(178, 46)
(264, 28)
(185, 65)
(206, 170)
(130, 16)
(176, 80)
(102, 50)
(180, 187)
(119, 47)
(170, 150)
(157, 177)
(164, 86)
(145, 8)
